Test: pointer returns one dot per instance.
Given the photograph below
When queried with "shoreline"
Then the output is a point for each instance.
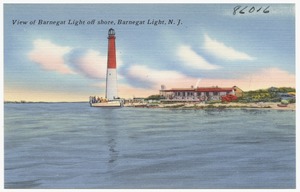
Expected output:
(199, 106)
(190, 105)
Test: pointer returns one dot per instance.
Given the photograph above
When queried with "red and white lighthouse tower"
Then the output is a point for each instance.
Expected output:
(111, 74)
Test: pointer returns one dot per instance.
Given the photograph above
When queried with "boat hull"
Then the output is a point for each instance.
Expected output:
(107, 104)
(282, 105)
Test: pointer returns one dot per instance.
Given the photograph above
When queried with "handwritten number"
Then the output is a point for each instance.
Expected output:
(258, 9)
(235, 9)
(242, 11)
(266, 10)
(252, 9)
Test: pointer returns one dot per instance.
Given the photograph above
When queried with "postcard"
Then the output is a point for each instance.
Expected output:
(149, 96)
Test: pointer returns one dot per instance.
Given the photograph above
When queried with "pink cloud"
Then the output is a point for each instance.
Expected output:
(92, 64)
(50, 56)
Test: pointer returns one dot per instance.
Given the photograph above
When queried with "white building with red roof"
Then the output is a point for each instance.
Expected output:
(199, 93)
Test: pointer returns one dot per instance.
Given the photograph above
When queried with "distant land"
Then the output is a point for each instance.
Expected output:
(45, 102)
(271, 94)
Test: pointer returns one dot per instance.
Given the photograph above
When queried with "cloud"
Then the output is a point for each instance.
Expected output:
(220, 50)
(263, 78)
(191, 59)
(156, 78)
(91, 64)
(50, 56)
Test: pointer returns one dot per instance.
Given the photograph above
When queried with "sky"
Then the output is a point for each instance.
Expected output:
(205, 45)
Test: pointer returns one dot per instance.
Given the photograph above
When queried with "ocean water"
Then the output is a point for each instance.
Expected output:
(72, 145)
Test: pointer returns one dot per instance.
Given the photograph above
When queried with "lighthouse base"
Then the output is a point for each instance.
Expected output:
(111, 84)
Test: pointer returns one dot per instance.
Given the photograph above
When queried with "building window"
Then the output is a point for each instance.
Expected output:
(215, 93)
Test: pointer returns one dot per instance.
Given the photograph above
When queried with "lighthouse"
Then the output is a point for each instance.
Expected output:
(111, 73)
(111, 91)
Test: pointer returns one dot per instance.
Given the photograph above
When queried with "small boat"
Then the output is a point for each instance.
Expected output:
(111, 103)
(282, 105)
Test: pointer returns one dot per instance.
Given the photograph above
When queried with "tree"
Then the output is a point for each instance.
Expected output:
(154, 97)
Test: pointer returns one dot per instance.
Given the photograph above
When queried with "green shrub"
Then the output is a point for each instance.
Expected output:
(284, 102)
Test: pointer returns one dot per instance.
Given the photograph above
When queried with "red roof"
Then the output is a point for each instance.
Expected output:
(201, 89)
(183, 89)
(213, 89)
(178, 89)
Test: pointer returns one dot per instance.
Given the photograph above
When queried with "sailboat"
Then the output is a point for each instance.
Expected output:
(111, 92)
(110, 103)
